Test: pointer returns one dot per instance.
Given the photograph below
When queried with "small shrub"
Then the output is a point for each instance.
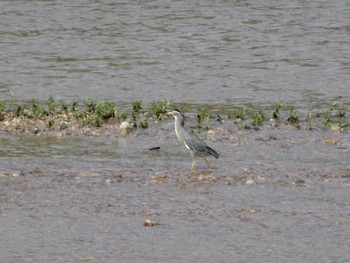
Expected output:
(293, 116)
(238, 113)
(203, 118)
(51, 105)
(106, 110)
(258, 118)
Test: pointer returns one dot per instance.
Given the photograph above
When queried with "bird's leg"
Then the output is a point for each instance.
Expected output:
(193, 161)
(207, 162)
(193, 164)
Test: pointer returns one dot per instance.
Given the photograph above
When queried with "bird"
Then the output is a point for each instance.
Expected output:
(196, 146)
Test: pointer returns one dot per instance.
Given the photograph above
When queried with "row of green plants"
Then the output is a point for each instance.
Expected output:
(96, 113)
(88, 113)
(282, 113)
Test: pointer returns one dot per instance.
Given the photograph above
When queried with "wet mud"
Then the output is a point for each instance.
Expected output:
(276, 194)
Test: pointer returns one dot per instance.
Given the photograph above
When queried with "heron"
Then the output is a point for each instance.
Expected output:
(196, 146)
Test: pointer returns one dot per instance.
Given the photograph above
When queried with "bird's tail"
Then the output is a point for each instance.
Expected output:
(213, 152)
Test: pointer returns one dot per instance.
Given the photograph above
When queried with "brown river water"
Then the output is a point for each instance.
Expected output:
(277, 194)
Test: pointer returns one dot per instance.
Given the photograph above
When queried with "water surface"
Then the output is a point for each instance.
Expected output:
(222, 52)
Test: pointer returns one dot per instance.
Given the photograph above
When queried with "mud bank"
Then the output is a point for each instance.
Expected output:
(276, 194)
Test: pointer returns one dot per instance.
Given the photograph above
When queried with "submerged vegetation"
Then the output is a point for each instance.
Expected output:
(51, 115)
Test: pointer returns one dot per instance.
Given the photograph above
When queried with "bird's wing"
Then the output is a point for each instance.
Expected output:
(199, 147)
(195, 144)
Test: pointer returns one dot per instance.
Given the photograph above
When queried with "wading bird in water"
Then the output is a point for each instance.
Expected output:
(196, 146)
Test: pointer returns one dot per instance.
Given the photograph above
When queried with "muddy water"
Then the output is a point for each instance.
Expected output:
(275, 195)
(219, 52)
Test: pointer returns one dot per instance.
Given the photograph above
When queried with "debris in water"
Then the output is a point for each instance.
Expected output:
(154, 148)
(329, 141)
(148, 222)
(336, 128)
(250, 182)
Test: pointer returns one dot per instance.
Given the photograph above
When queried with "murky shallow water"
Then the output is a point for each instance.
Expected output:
(275, 195)
(219, 52)
(90, 220)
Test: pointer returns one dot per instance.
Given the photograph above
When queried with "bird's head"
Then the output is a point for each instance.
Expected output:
(176, 113)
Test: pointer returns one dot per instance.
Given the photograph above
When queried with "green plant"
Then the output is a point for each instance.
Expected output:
(124, 115)
(156, 108)
(86, 118)
(106, 110)
(144, 124)
(203, 117)
(21, 111)
(310, 120)
(293, 115)
(91, 119)
(96, 121)
(2, 106)
(90, 106)
(343, 124)
(96, 113)
(38, 109)
(339, 108)
(136, 107)
(257, 118)
(76, 111)
(238, 113)
(51, 105)
(326, 122)
(276, 112)
(64, 107)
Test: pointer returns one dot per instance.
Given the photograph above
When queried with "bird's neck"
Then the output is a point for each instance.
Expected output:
(178, 126)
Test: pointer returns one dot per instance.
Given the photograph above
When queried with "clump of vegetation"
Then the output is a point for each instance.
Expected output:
(96, 113)
(310, 120)
(156, 108)
(203, 119)
(38, 109)
(51, 115)
(326, 121)
(90, 105)
(136, 112)
(339, 109)
(64, 107)
(76, 111)
(258, 118)
(2, 111)
(136, 108)
(335, 116)
(343, 124)
(2, 106)
(276, 112)
(22, 111)
(144, 124)
(293, 116)
(238, 113)
(106, 110)
(339, 112)
(123, 116)
(51, 105)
